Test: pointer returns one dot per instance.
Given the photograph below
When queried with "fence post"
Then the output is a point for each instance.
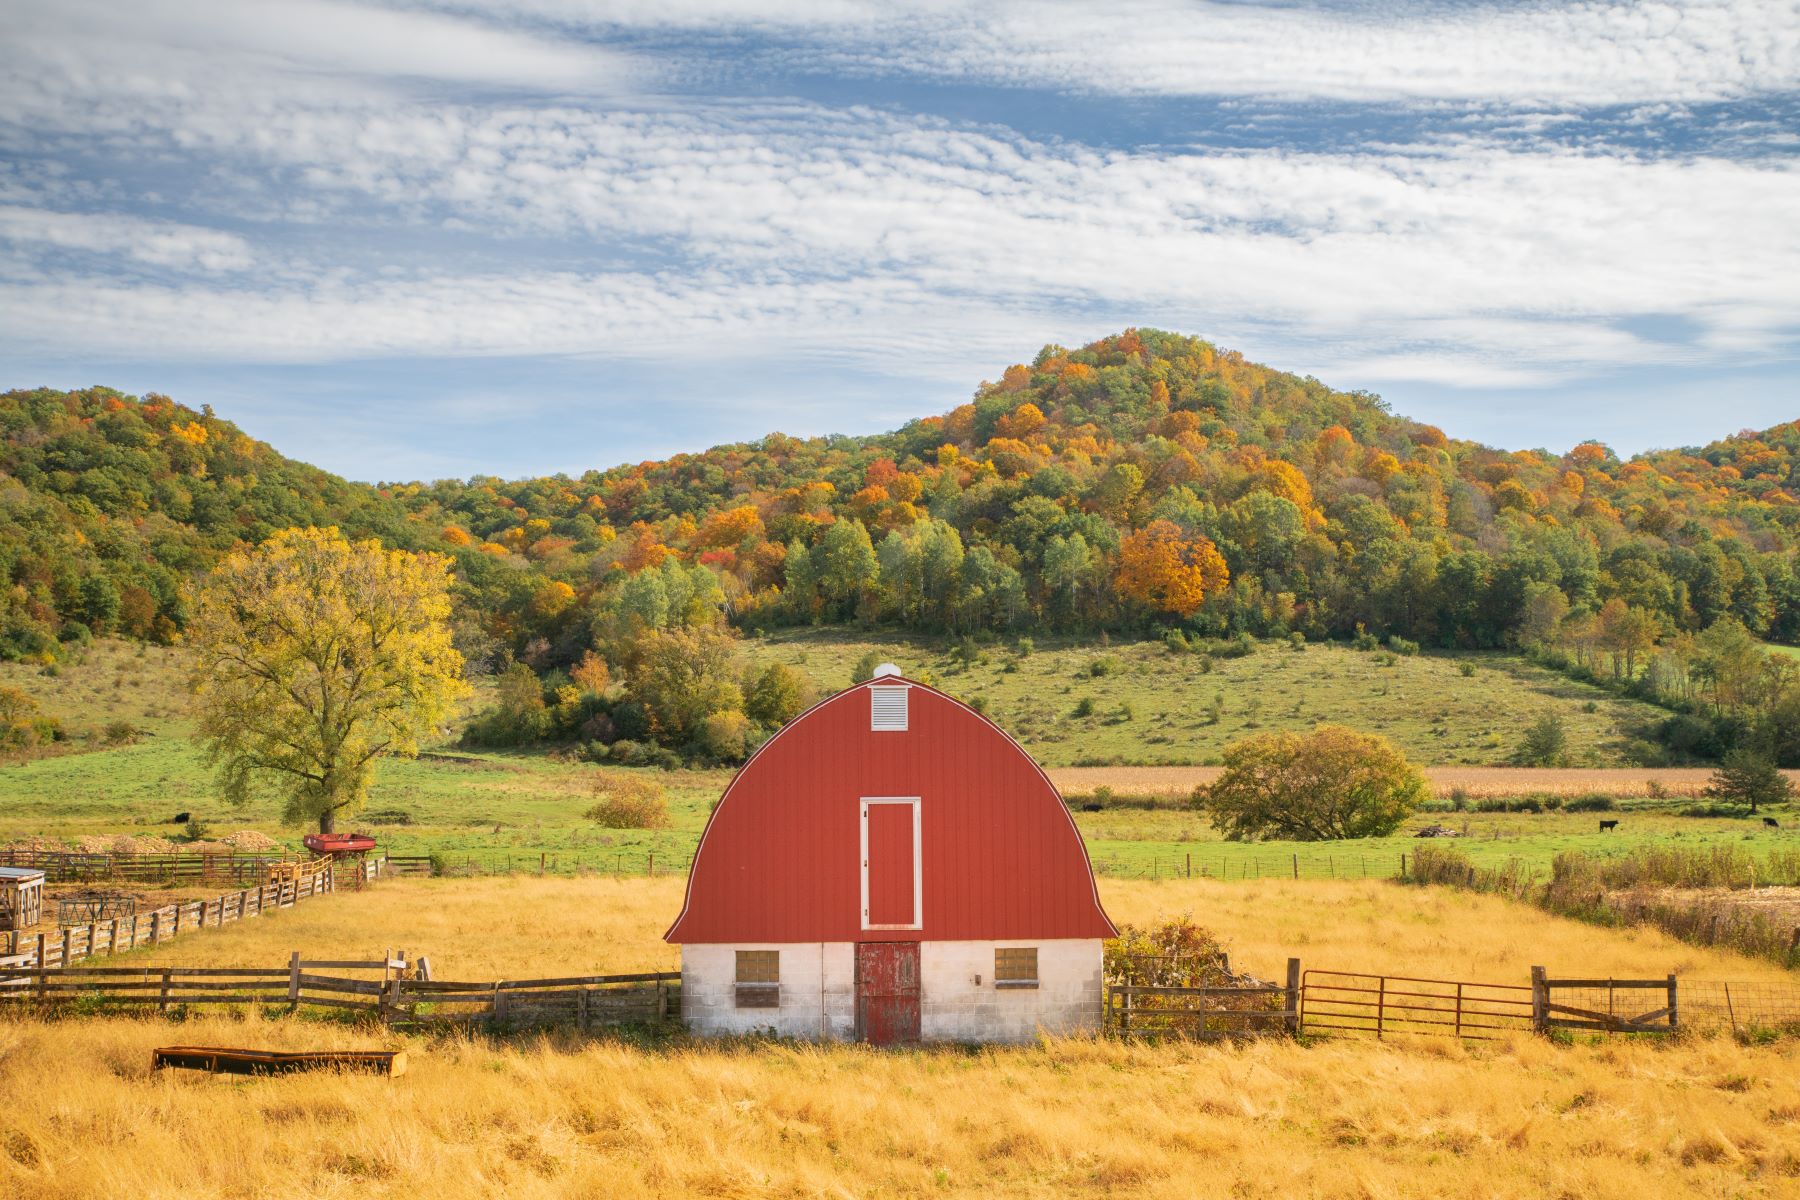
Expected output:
(1190, 864)
(162, 995)
(43, 960)
(1403, 867)
(1381, 1010)
(1540, 1001)
(1292, 1017)
(1296, 866)
(294, 979)
(1674, 1022)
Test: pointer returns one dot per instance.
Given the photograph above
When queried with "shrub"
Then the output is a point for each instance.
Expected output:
(121, 733)
(1364, 640)
(1545, 744)
(723, 735)
(196, 829)
(1297, 642)
(1104, 665)
(1025, 647)
(1467, 669)
(1331, 783)
(1084, 707)
(864, 670)
(387, 816)
(1592, 802)
(628, 801)
(1400, 645)
(777, 694)
(1175, 642)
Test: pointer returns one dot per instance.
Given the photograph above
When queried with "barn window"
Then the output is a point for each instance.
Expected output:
(1015, 967)
(887, 709)
(759, 978)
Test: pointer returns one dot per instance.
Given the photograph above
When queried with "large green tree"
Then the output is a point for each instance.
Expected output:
(314, 657)
(1331, 783)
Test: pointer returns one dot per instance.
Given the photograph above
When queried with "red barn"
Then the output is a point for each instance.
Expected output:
(891, 867)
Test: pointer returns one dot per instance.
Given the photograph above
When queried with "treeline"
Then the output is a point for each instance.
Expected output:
(1148, 481)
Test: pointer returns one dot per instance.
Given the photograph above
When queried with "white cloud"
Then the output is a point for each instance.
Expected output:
(402, 223)
(156, 243)
(1596, 52)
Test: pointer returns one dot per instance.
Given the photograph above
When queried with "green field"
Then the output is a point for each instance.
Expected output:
(510, 809)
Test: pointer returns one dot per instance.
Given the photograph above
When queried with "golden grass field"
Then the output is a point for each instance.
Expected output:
(81, 1115)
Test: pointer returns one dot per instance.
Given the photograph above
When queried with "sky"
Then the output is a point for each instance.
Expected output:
(419, 239)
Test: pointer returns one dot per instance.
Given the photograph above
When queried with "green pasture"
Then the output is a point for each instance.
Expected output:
(1153, 707)
(501, 809)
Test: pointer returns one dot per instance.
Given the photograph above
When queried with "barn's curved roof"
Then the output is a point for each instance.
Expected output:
(780, 859)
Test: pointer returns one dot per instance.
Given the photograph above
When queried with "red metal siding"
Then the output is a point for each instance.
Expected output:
(780, 860)
(891, 864)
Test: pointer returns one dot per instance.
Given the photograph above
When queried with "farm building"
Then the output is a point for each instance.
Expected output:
(891, 867)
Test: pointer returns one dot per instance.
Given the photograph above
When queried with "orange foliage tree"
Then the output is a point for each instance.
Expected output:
(1167, 571)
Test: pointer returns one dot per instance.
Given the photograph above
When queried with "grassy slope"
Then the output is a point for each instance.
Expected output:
(493, 806)
(565, 1117)
(1423, 702)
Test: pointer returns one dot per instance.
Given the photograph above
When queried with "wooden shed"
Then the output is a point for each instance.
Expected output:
(21, 898)
(891, 867)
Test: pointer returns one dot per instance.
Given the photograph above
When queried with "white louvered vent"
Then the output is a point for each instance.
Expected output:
(887, 709)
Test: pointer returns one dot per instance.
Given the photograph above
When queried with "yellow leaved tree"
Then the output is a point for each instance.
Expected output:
(314, 657)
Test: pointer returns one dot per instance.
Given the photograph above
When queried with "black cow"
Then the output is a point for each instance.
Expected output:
(180, 819)
(1090, 808)
(1771, 822)
(1608, 826)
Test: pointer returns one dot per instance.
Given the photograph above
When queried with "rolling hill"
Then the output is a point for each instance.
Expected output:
(1148, 481)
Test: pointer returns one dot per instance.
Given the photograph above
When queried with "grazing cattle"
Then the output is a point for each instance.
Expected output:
(1771, 822)
(1090, 807)
(179, 819)
(1608, 826)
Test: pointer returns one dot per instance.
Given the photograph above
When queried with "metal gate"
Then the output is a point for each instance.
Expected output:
(1345, 1002)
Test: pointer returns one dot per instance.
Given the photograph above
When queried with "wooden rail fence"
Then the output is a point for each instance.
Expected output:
(404, 994)
(73, 943)
(1227, 1011)
(1357, 1004)
(74, 867)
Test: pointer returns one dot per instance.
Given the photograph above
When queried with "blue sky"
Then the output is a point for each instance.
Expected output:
(429, 238)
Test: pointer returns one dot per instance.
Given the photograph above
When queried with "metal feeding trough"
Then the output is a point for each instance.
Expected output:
(92, 907)
(338, 843)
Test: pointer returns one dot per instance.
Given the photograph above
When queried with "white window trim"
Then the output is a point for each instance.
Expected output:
(918, 858)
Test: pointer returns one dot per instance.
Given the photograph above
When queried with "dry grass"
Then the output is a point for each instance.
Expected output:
(1476, 782)
(1067, 1118)
(524, 926)
(81, 1115)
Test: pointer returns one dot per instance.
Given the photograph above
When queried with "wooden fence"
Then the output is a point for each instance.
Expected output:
(402, 994)
(1233, 1010)
(116, 935)
(72, 867)
(1350, 1003)
(1604, 1005)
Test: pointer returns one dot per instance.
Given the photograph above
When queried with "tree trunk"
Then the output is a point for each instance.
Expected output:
(328, 821)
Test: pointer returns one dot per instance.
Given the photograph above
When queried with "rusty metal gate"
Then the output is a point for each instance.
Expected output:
(1345, 1002)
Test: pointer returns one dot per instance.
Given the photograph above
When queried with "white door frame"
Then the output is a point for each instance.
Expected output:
(918, 864)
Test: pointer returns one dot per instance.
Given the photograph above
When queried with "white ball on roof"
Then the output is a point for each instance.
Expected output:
(886, 671)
